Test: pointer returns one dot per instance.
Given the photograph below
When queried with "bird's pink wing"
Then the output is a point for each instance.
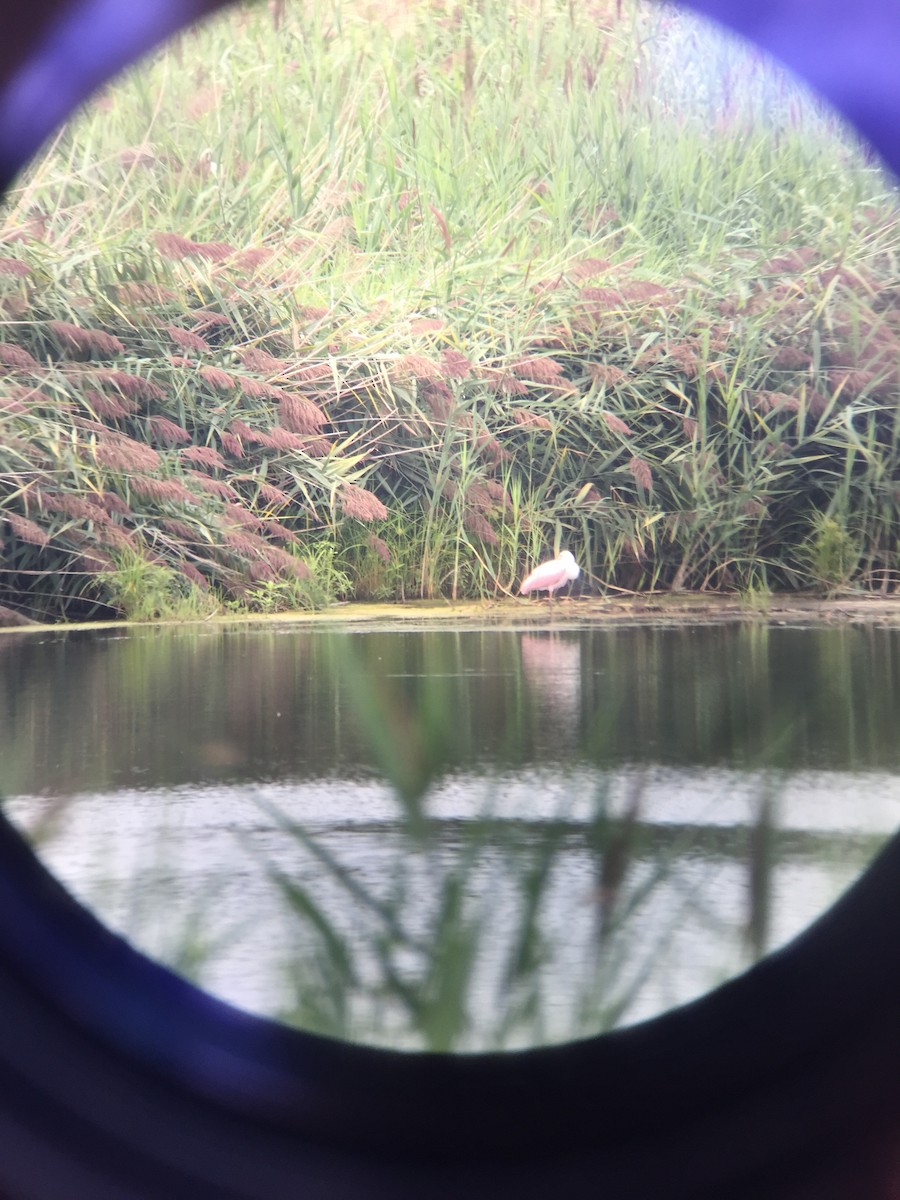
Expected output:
(547, 575)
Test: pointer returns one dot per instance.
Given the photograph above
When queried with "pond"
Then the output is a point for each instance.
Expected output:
(454, 838)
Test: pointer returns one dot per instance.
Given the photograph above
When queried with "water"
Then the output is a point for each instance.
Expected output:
(450, 837)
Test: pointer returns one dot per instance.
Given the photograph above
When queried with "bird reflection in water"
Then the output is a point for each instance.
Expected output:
(552, 666)
(551, 663)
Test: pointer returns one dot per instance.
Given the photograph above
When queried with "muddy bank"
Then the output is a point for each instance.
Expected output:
(664, 609)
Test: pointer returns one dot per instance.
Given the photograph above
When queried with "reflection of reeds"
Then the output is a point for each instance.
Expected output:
(455, 947)
(449, 927)
(616, 853)
(761, 862)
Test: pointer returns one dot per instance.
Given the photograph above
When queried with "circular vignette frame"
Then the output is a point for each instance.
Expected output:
(120, 1080)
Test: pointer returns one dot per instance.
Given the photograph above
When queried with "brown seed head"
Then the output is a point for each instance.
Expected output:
(121, 453)
(601, 299)
(206, 456)
(279, 438)
(641, 472)
(14, 267)
(361, 504)
(186, 340)
(173, 245)
(273, 496)
(113, 503)
(533, 420)
(476, 523)
(239, 515)
(247, 261)
(84, 341)
(218, 378)
(685, 361)
(616, 424)
(231, 444)
(15, 356)
(606, 375)
(380, 547)
(110, 408)
(313, 372)
(137, 292)
(425, 325)
(189, 571)
(25, 529)
(642, 291)
(538, 369)
(455, 364)
(491, 447)
(179, 529)
(417, 366)
(300, 414)
(161, 490)
(586, 268)
(775, 401)
(275, 529)
(255, 388)
(256, 359)
(131, 385)
(167, 431)
(115, 536)
(790, 358)
(316, 447)
(215, 487)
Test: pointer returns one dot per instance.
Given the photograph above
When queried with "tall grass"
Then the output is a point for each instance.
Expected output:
(442, 288)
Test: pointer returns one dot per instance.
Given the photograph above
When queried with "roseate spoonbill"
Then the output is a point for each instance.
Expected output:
(550, 576)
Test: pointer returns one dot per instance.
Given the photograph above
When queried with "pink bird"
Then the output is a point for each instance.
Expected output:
(550, 576)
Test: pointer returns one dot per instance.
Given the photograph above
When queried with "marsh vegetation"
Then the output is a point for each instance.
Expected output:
(329, 300)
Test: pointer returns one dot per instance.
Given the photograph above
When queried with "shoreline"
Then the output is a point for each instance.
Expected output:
(664, 609)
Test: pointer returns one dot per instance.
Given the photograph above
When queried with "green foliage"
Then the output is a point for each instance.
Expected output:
(324, 583)
(144, 591)
(756, 598)
(445, 291)
(283, 595)
(832, 554)
(332, 581)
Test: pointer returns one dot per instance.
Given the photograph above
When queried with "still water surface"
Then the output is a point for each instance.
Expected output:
(455, 837)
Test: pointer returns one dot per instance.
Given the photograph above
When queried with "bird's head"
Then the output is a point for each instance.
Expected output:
(572, 568)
